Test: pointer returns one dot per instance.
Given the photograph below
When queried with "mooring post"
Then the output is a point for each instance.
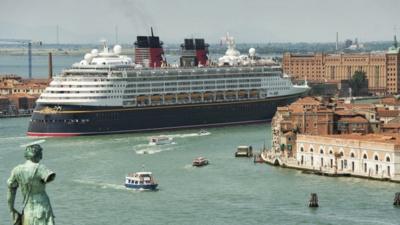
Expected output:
(313, 200)
(396, 201)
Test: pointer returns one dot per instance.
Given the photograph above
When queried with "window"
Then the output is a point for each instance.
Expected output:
(301, 149)
(321, 151)
(376, 157)
(365, 156)
(311, 150)
(387, 159)
(352, 155)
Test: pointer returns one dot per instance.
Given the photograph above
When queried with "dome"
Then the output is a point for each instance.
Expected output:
(117, 49)
(252, 52)
(94, 52)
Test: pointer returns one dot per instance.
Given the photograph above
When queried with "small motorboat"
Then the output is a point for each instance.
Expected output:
(141, 181)
(244, 151)
(160, 140)
(203, 133)
(200, 161)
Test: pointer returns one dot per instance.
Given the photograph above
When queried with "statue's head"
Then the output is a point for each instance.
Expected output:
(33, 153)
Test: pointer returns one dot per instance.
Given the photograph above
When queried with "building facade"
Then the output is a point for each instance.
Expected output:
(371, 155)
(381, 69)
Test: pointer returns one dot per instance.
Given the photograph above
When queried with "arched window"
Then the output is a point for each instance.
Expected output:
(321, 151)
(365, 156)
(302, 149)
(376, 157)
(352, 155)
(330, 152)
(387, 159)
(311, 150)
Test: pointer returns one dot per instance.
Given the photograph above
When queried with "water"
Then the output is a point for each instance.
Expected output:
(88, 189)
(18, 64)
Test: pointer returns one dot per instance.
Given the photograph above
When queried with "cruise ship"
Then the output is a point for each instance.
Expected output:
(107, 92)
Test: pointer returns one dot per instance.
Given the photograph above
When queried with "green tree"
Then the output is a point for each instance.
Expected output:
(358, 83)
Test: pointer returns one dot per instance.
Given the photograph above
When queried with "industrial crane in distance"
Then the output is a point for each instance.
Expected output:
(25, 42)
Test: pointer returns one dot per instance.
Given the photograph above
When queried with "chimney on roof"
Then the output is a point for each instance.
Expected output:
(50, 66)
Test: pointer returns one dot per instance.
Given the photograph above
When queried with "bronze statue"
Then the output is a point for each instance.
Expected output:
(31, 177)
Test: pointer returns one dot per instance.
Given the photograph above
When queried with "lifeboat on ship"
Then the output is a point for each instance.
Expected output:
(142, 99)
(195, 96)
(183, 97)
(254, 93)
(242, 94)
(220, 95)
(208, 95)
(230, 94)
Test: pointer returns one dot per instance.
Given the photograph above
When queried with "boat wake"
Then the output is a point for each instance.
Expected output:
(151, 150)
(188, 135)
(103, 185)
(14, 138)
(188, 166)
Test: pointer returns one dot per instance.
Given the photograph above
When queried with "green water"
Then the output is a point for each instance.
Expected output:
(88, 189)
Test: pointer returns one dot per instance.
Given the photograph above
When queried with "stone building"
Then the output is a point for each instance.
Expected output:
(382, 69)
(371, 155)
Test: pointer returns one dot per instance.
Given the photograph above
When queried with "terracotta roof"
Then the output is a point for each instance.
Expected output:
(289, 133)
(393, 138)
(346, 113)
(390, 101)
(391, 125)
(356, 106)
(307, 101)
(356, 119)
(388, 113)
(395, 120)
(21, 95)
(283, 108)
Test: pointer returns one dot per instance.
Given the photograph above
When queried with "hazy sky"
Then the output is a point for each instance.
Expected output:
(88, 21)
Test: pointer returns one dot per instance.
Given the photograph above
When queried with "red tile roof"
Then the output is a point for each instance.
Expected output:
(388, 113)
(356, 119)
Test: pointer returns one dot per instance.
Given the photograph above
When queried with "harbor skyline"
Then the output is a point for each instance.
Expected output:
(255, 21)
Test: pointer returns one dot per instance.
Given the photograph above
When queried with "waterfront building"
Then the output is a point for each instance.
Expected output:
(382, 69)
(370, 155)
(391, 103)
(4, 104)
(22, 102)
(313, 116)
(386, 115)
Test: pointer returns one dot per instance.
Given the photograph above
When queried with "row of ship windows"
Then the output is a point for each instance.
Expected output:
(80, 97)
(161, 89)
(193, 83)
(158, 89)
(167, 78)
(119, 96)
